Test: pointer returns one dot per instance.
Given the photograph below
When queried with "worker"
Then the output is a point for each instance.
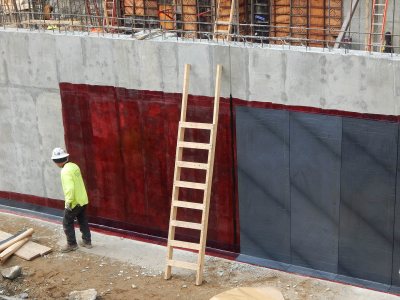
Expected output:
(388, 47)
(47, 12)
(76, 201)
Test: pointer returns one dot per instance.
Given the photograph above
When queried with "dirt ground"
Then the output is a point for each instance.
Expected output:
(114, 276)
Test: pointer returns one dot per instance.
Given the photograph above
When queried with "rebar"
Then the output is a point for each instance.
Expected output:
(137, 27)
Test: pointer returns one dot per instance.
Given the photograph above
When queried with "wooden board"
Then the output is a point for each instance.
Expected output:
(167, 16)
(28, 251)
(323, 17)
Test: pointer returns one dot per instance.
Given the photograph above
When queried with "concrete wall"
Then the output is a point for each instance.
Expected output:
(33, 64)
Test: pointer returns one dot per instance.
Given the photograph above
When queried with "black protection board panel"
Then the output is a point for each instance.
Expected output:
(315, 146)
(368, 183)
(31, 208)
(263, 182)
(396, 244)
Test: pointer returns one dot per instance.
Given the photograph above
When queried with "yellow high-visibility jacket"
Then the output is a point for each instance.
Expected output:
(73, 186)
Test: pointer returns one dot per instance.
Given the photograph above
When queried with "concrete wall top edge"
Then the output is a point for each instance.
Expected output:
(247, 45)
(354, 82)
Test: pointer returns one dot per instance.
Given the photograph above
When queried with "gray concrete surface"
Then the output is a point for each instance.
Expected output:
(32, 64)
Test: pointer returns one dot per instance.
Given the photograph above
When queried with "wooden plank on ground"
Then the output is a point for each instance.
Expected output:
(21, 235)
(12, 249)
(28, 251)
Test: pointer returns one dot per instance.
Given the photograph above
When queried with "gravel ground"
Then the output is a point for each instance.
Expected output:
(120, 268)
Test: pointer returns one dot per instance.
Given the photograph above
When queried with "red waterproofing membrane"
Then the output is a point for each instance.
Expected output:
(125, 142)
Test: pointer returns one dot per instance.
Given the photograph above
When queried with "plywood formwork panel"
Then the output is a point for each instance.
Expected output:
(299, 19)
(167, 16)
(316, 20)
(333, 17)
(242, 16)
(316, 34)
(151, 8)
(140, 8)
(280, 18)
(189, 16)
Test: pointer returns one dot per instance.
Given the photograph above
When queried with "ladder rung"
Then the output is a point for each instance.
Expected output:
(181, 264)
(196, 125)
(186, 204)
(190, 185)
(191, 165)
(192, 145)
(185, 245)
(183, 224)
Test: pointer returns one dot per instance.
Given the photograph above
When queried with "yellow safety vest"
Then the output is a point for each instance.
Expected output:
(73, 186)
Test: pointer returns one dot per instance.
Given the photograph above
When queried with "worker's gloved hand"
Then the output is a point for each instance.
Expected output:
(68, 207)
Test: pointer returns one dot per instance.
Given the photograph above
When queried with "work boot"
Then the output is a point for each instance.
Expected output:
(69, 248)
(86, 244)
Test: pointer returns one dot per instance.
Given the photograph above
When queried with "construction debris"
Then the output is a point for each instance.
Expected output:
(11, 273)
(12, 249)
(256, 293)
(10, 240)
(18, 297)
(27, 250)
(90, 294)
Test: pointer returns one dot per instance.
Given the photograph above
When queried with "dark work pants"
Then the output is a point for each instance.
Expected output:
(79, 213)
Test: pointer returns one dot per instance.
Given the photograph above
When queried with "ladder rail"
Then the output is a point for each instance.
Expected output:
(226, 32)
(217, 17)
(371, 26)
(105, 13)
(384, 24)
(209, 177)
(231, 13)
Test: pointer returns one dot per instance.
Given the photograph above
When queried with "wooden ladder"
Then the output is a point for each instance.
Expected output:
(205, 187)
(378, 22)
(90, 6)
(110, 13)
(223, 27)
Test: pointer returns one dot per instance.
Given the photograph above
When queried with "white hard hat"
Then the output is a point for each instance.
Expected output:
(59, 153)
